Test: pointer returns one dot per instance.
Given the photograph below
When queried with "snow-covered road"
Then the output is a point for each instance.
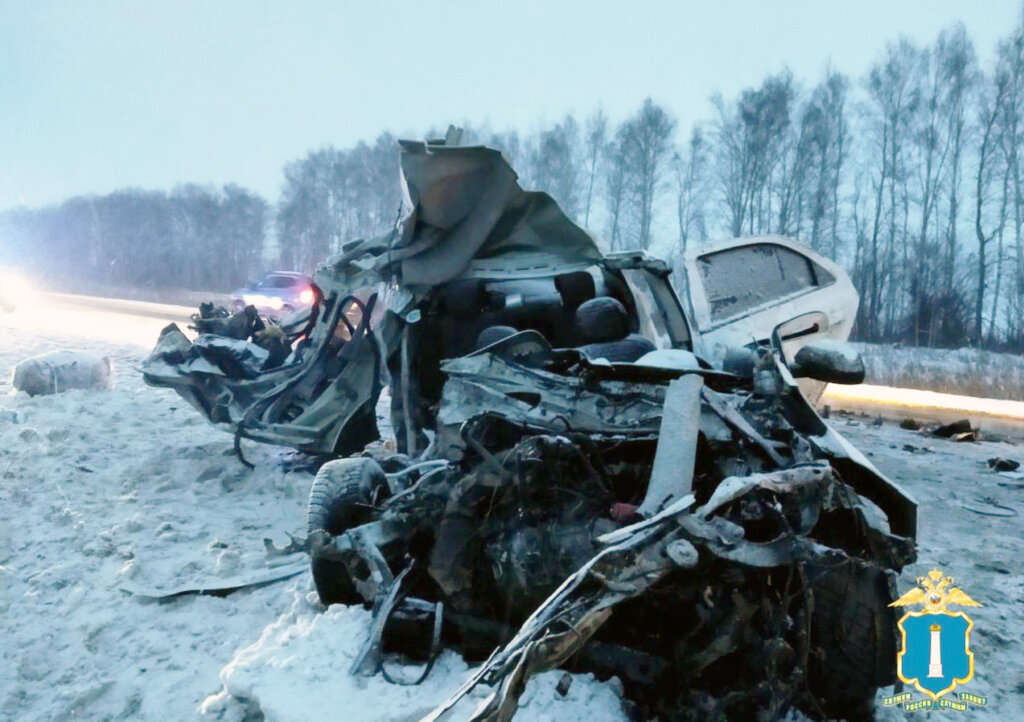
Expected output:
(130, 489)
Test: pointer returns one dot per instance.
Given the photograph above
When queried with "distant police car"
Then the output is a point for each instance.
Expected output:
(278, 294)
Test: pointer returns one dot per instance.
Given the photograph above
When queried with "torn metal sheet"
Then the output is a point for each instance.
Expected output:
(223, 586)
(672, 475)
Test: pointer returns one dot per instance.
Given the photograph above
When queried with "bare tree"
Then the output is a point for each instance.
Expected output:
(688, 171)
(749, 135)
(829, 138)
(556, 168)
(596, 139)
(988, 154)
(954, 55)
(931, 145)
(1010, 64)
(892, 101)
(646, 141)
(615, 182)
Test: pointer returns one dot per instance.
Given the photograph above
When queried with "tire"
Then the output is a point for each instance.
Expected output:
(341, 498)
(853, 638)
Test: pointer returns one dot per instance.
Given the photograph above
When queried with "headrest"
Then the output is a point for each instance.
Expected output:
(601, 319)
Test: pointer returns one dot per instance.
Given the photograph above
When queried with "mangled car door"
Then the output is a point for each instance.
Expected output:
(743, 289)
(320, 400)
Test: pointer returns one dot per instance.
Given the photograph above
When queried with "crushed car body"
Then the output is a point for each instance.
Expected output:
(576, 476)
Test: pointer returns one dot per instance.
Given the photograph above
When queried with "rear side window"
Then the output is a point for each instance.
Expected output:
(738, 279)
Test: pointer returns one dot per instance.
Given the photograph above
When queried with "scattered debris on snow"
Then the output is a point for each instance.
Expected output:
(58, 371)
(957, 431)
(997, 463)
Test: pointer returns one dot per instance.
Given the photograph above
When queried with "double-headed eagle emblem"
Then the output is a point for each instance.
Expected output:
(935, 593)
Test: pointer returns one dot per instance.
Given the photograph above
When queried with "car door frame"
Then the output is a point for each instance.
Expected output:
(838, 300)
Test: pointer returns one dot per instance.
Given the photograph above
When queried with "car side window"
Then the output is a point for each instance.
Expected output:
(738, 279)
(279, 282)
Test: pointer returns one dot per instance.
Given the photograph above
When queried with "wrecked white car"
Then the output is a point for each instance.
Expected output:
(576, 475)
(741, 289)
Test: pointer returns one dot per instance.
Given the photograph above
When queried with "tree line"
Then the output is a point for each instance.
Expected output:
(192, 238)
(910, 177)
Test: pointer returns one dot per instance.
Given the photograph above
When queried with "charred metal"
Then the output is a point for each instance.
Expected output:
(576, 477)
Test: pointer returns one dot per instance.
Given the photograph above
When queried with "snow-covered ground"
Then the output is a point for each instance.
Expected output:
(111, 491)
(107, 492)
(963, 371)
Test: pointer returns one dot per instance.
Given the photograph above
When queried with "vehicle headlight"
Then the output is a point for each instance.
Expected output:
(274, 302)
(307, 296)
(13, 288)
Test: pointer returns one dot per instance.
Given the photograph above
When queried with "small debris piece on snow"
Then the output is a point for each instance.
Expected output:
(294, 546)
(910, 425)
(59, 371)
(221, 587)
(999, 464)
(950, 431)
(989, 507)
(563, 684)
(966, 436)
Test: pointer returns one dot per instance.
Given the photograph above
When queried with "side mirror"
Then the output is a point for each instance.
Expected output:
(830, 361)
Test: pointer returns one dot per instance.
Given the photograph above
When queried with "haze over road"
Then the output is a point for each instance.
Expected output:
(97, 319)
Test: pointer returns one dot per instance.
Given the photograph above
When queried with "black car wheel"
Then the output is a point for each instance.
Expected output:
(343, 496)
(853, 638)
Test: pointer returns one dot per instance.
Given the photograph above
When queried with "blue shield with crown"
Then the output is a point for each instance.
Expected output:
(936, 653)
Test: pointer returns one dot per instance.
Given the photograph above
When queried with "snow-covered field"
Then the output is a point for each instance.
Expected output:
(128, 489)
(111, 491)
(963, 371)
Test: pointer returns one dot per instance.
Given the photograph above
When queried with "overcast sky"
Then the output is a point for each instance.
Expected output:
(96, 96)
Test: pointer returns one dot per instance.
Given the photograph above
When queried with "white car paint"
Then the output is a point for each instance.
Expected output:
(836, 300)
